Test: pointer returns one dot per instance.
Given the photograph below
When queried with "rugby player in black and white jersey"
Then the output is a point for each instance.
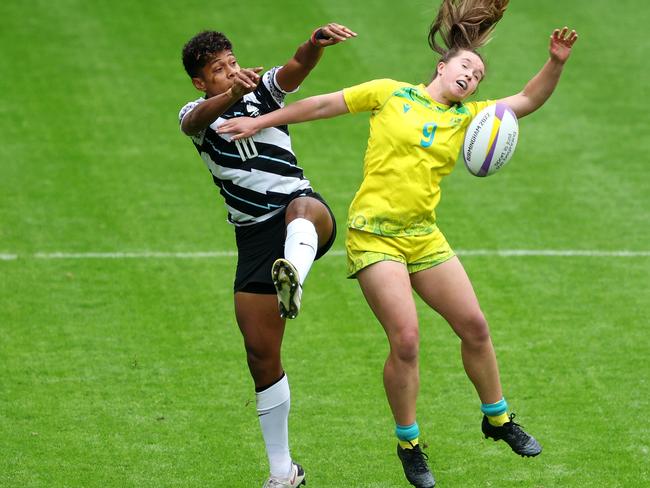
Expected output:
(281, 224)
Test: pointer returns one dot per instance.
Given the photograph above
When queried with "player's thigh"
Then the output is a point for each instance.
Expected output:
(447, 289)
(387, 289)
(259, 322)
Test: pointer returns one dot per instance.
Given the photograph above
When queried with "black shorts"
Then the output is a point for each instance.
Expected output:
(259, 245)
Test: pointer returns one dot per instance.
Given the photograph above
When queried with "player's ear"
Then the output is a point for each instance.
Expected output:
(440, 68)
(198, 83)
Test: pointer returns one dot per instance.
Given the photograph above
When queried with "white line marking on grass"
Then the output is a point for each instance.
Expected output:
(337, 252)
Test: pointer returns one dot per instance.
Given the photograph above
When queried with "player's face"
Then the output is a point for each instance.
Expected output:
(218, 74)
(461, 75)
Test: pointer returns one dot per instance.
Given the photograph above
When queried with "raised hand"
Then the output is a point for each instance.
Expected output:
(561, 43)
(246, 80)
(331, 34)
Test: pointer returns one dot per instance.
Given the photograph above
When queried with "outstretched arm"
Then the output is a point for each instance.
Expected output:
(309, 53)
(542, 85)
(201, 116)
(312, 108)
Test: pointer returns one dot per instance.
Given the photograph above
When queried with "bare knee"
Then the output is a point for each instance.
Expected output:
(316, 212)
(473, 330)
(262, 331)
(264, 364)
(300, 208)
(405, 345)
(257, 355)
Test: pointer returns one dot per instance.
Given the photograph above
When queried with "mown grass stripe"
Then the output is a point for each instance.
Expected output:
(227, 254)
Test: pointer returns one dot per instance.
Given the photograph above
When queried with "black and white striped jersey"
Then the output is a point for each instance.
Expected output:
(257, 176)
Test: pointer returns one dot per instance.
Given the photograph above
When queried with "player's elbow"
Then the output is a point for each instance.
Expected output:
(188, 128)
(532, 101)
(331, 105)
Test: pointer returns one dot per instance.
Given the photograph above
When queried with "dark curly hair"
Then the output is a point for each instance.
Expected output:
(201, 49)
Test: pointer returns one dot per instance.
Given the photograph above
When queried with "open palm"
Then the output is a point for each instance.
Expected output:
(561, 43)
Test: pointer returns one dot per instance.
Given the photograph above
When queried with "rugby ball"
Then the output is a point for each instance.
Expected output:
(490, 139)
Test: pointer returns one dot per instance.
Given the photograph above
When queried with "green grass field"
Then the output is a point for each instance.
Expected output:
(120, 367)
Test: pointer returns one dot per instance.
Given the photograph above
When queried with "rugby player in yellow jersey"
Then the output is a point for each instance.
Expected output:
(393, 242)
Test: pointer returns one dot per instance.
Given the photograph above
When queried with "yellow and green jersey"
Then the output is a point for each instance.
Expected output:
(414, 141)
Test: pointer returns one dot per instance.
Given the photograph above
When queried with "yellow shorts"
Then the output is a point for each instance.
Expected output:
(416, 252)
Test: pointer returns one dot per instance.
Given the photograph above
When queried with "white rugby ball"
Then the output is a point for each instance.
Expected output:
(490, 139)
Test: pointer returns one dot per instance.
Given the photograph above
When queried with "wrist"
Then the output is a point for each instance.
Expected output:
(316, 36)
(232, 94)
(557, 61)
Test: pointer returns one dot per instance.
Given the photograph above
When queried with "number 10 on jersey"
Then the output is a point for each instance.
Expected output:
(246, 148)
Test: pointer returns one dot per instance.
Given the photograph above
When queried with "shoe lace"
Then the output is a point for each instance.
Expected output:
(516, 430)
(419, 458)
(511, 420)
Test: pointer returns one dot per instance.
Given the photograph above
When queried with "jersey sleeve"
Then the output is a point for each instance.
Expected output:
(187, 108)
(369, 96)
(269, 79)
(475, 107)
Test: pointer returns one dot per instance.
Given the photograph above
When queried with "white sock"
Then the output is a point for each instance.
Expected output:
(273, 411)
(300, 246)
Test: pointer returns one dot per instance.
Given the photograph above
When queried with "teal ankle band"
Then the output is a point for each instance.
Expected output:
(495, 409)
(407, 432)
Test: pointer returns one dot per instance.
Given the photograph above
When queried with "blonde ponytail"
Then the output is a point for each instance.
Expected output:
(465, 24)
